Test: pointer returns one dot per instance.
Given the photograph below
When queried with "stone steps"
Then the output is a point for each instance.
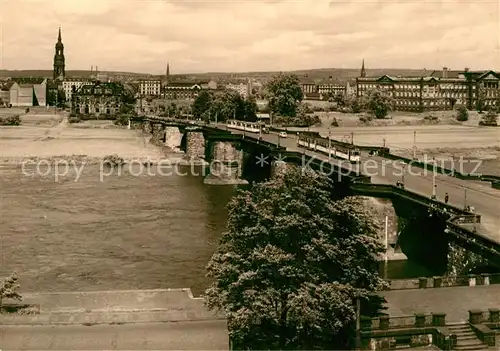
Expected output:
(466, 337)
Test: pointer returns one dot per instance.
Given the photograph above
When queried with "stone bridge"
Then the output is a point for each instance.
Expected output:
(435, 234)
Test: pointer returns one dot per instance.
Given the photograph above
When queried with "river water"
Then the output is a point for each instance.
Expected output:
(128, 231)
(124, 232)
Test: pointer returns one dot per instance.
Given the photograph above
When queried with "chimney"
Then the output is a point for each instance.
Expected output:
(445, 72)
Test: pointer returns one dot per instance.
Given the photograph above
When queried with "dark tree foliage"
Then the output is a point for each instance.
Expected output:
(284, 94)
(378, 103)
(202, 103)
(292, 264)
(9, 289)
(490, 118)
(224, 106)
(462, 114)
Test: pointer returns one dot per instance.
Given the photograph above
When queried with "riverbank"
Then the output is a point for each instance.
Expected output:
(111, 307)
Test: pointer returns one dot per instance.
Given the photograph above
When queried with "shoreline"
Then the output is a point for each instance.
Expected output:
(174, 159)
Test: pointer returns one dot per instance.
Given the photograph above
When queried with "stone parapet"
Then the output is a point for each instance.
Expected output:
(444, 281)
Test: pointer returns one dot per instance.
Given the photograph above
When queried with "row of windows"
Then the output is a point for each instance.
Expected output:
(417, 86)
(102, 105)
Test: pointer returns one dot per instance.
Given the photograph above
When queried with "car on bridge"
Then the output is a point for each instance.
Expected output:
(282, 134)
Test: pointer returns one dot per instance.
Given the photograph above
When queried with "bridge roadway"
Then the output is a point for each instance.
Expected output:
(480, 195)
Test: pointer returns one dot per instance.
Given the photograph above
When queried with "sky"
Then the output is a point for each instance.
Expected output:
(250, 35)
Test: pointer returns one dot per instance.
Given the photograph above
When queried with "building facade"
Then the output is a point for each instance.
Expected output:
(181, 91)
(242, 89)
(438, 91)
(150, 87)
(5, 94)
(72, 84)
(28, 92)
(59, 60)
(97, 98)
(308, 86)
(328, 87)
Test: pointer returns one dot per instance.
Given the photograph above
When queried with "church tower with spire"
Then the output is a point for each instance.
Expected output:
(363, 72)
(167, 74)
(59, 62)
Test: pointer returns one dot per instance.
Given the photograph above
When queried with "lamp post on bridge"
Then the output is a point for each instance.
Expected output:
(433, 197)
(403, 176)
(414, 144)
(329, 145)
(465, 198)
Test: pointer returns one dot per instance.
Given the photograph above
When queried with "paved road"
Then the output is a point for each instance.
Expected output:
(480, 195)
(211, 335)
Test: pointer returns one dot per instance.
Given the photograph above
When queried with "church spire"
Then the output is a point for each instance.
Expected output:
(363, 71)
(59, 61)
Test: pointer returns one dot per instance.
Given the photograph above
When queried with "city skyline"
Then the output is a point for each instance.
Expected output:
(203, 36)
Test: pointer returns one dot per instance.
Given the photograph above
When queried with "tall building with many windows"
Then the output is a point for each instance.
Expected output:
(150, 87)
(441, 90)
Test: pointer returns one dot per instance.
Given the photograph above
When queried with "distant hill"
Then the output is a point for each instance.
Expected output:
(341, 74)
(48, 73)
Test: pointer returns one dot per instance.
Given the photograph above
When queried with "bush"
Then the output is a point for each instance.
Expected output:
(113, 160)
(462, 114)
(74, 120)
(332, 108)
(334, 123)
(122, 120)
(490, 119)
(10, 121)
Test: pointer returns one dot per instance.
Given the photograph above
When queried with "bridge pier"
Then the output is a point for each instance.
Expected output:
(147, 127)
(158, 134)
(226, 163)
(173, 138)
(195, 146)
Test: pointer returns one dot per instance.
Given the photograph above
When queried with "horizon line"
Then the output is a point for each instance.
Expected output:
(241, 72)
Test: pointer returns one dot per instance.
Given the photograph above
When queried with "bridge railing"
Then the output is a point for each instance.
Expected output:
(493, 179)
(318, 164)
(474, 238)
(444, 281)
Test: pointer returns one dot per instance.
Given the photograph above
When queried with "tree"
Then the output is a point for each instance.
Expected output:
(355, 104)
(378, 103)
(340, 100)
(294, 260)
(128, 96)
(202, 104)
(490, 118)
(251, 109)
(284, 94)
(481, 99)
(462, 114)
(8, 289)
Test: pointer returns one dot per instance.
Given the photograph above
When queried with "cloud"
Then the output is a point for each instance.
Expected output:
(198, 36)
